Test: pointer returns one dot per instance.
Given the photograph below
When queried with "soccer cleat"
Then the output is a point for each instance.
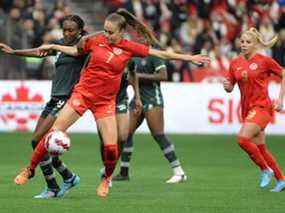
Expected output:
(177, 179)
(103, 188)
(68, 184)
(24, 176)
(46, 194)
(102, 175)
(120, 177)
(280, 186)
(265, 177)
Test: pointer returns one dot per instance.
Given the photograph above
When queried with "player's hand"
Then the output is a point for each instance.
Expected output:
(42, 53)
(227, 85)
(6, 49)
(278, 105)
(199, 59)
(44, 49)
(138, 106)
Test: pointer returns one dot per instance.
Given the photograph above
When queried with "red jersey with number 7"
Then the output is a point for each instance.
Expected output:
(100, 81)
(252, 77)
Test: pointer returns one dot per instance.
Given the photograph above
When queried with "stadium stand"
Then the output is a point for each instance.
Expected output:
(181, 25)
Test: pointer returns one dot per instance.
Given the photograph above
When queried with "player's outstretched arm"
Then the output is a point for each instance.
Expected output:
(34, 52)
(195, 59)
(69, 50)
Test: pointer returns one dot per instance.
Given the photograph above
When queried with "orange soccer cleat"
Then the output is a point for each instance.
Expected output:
(103, 188)
(24, 176)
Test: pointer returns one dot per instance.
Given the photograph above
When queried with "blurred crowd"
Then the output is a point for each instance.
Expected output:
(198, 26)
(208, 26)
(28, 24)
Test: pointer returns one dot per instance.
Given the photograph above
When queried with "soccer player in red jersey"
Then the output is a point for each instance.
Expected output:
(251, 72)
(99, 85)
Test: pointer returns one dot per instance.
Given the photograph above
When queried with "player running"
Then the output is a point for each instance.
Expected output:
(251, 72)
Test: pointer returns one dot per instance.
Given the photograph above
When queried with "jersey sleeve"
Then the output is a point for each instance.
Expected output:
(158, 64)
(274, 67)
(135, 48)
(230, 75)
(89, 42)
(86, 45)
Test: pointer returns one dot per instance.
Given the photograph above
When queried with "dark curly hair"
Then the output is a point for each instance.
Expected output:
(78, 20)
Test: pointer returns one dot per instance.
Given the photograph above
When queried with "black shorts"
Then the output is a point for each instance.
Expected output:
(122, 107)
(54, 105)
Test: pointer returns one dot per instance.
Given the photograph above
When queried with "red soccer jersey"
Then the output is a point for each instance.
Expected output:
(252, 77)
(100, 81)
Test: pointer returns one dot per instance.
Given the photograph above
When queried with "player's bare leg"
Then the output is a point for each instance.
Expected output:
(155, 122)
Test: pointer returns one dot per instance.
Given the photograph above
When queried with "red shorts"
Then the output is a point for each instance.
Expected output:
(259, 116)
(99, 109)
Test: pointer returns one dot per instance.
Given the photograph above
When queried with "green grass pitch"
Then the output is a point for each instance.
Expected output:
(221, 178)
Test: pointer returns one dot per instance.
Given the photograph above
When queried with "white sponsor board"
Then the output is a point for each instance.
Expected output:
(189, 108)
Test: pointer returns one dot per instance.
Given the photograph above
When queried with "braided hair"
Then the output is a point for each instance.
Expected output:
(79, 21)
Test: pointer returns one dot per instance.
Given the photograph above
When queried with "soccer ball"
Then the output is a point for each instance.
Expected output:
(57, 143)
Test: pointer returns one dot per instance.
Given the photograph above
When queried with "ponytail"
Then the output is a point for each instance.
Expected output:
(127, 18)
(253, 31)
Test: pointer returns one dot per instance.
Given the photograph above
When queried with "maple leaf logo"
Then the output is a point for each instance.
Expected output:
(21, 108)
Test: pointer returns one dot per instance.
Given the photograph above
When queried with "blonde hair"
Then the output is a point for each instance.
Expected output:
(257, 35)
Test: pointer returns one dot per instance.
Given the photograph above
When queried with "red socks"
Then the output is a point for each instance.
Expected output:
(39, 152)
(261, 156)
(271, 161)
(111, 155)
(252, 150)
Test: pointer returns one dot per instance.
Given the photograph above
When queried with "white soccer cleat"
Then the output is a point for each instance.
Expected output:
(177, 179)
(46, 194)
